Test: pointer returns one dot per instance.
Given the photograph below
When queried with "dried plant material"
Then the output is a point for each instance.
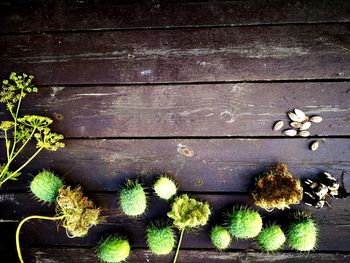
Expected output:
(278, 125)
(290, 132)
(277, 189)
(304, 133)
(79, 212)
(300, 115)
(316, 119)
(314, 146)
(296, 125)
(305, 126)
(293, 116)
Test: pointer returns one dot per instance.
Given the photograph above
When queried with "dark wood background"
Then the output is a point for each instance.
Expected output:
(129, 82)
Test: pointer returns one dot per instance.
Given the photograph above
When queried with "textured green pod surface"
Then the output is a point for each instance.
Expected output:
(133, 200)
(45, 186)
(244, 223)
(271, 238)
(165, 188)
(302, 236)
(220, 237)
(113, 249)
(160, 240)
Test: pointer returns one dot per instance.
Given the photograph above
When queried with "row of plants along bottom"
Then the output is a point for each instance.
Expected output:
(276, 189)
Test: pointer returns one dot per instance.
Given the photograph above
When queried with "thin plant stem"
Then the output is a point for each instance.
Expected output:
(15, 128)
(21, 224)
(178, 245)
(7, 146)
(24, 144)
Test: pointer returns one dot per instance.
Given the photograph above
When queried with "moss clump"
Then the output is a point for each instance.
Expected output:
(79, 212)
(302, 235)
(271, 238)
(165, 188)
(133, 200)
(244, 223)
(220, 237)
(277, 189)
(113, 249)
(160, 240)
(45, 186)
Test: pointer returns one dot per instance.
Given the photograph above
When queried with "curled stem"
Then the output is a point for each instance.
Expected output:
(178, 245)
(19, 229)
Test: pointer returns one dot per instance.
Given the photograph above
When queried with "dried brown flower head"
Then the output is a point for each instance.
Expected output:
(79, 212)
(277, 189)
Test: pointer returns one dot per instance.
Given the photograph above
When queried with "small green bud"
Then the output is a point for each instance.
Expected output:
(220, 237)
(45, 186)
(160, 240)
(271, 238)
(133, 200)
(165, 188)
(302, 235)
(244, 223)
(113, 249)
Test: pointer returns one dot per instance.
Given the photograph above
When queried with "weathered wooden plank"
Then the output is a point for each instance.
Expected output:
(29, 16)
(244, 109)
(227, 165)
(182, 55)
(335, 218)
(87, 255)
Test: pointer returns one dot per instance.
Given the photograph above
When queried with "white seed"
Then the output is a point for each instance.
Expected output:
(290, 132)
(300, 114)
(304, 133)
(305, 126)
(316, 119)
(314, 145)
(296, 124)
(293, 116)
(278, 125)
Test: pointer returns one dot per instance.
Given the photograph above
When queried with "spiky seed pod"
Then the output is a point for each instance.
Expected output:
(79, 212)
(277, 189)
(220, 237)
(114, 249)
(271, 238)
(165, 188)
(45, 186)
(160, 240)
(133, 200)
(244, 223)
(302, 234)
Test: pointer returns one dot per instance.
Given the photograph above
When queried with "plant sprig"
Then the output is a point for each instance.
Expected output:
(23, 129)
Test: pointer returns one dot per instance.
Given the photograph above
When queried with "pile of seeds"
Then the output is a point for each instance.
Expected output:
(300, 124)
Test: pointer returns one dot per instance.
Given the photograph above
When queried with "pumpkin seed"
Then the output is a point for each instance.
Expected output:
(293, 116)
(314, 145)
(316, 119)
(296, 124)
(290, 132)
(300, 114)
(304, 133)
(278, 125)
(305, 126)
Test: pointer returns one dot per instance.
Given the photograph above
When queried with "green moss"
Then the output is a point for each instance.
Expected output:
(160, 240)
(302, 235)
(165, 188)
(133, 200)
(271, 238)
(45, 186)
(113, 249)
(244, 223)
(220, 237)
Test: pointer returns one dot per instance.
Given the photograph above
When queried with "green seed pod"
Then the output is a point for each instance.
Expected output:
(165, 188)
(244, 223)
(133, 199)
(113, 249)
(302, 234)
(160, 240)
(45, 186)
(220, 237)
(271, 238)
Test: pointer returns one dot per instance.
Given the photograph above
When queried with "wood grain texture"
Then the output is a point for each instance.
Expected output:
(38, 233)
(242, 109)
(34, 16)
(182, 55)
(87, 255)
(217, 165)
